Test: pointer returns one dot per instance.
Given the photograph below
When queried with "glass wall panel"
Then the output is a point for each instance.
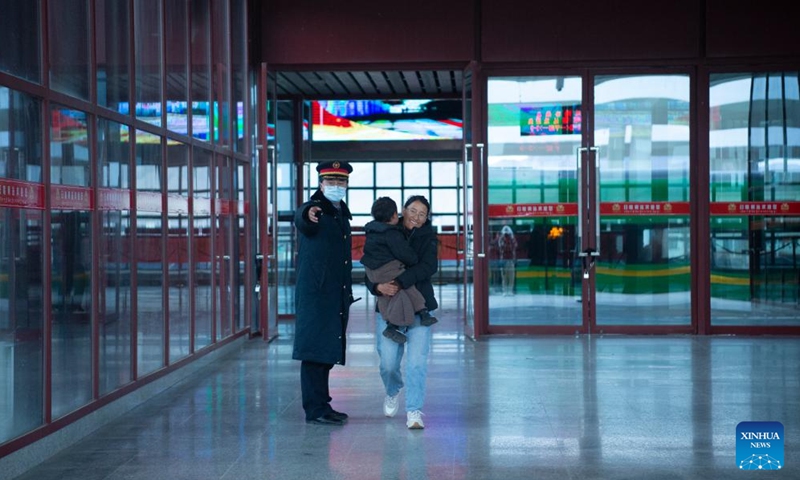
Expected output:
(20, 136)
(20, 37)
(113, 254)
(150, 233)
(21, 321)
(112, 27)
(222, 73)
(69, 31)
(754, 159)
(223, 247)
(240, 244)
(178, 247)
(69, 148)
(21, 265)
(71, 249)
(147, 39)
(201, 246)
(177, 68)
(239, 71)
(201, 69)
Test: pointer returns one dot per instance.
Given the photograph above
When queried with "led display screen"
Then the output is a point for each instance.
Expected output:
(549, 119)
(382, 120)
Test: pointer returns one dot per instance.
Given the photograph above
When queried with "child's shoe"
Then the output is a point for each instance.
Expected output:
(426, 319)
(392, 333)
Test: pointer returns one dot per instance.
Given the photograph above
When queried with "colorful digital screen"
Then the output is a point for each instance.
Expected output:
(383, 120)
(178, 119)
(537, 120)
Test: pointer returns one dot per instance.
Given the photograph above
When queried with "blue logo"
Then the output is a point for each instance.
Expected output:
(759, 446)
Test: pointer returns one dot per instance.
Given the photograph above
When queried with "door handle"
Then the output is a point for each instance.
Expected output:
(585, 207)
(482, 253)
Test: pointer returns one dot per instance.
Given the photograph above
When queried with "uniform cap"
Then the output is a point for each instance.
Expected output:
(335, 168)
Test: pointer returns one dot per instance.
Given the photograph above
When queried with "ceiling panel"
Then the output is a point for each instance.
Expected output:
(406, 84)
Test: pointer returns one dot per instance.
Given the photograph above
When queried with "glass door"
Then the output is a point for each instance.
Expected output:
(266, 193)
(642, 155)
(534, 133)
(589, 203)
(465, 240)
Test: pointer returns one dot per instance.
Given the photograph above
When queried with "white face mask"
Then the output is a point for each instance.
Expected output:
(334, 193)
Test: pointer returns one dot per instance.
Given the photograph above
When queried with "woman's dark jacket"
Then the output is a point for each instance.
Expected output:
(324, 289)
(384, 243)
(424, 242)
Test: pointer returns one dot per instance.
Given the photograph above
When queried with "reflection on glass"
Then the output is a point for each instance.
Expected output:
(21, 39)
(21, 321)
(201, 246)
(755, 185)
(223, 115)
(71, 244)
(71, 310)
(201, 69)
(147, 48)
(239, 69)
(177, 37)
(69, 51)
(113, 64)
(21, 126)
(533, 131)
(69, 150)
(642, 135)
(240, 235)
(113, 253)
(149, 237)
(178, 247)
(224, 249)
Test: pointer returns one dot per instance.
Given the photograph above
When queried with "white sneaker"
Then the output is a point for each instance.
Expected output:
(390, 404)
(414, 421)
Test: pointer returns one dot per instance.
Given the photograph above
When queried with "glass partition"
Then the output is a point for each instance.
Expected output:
(114, 255)
(71, 261)
(20, 36)
(200, 69)
(201, 246)
(69, 46)
(22, 250)
(112, 25)
(147, 36)
(149, 257)
(177, 68)
(754, 155)
(223, 247)
(178, 248)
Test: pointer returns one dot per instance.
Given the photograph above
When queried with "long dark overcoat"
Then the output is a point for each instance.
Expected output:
(324, 288)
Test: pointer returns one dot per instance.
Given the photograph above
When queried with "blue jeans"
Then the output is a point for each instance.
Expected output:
(417, 345)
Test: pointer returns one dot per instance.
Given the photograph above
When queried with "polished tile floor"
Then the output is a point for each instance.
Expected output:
(561, 407)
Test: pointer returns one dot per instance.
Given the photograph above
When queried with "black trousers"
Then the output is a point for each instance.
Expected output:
(314, 384)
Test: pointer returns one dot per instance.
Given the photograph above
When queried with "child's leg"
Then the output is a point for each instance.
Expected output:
(425, 318)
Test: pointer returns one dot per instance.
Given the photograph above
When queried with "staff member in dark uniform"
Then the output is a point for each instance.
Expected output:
(324, 290)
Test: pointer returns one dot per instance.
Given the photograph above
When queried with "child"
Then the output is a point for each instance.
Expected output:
(386, 254)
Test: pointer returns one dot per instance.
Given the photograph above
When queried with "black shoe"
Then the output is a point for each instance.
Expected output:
(339, 415)
(327, 419)
(426, 319)
(394, 335)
